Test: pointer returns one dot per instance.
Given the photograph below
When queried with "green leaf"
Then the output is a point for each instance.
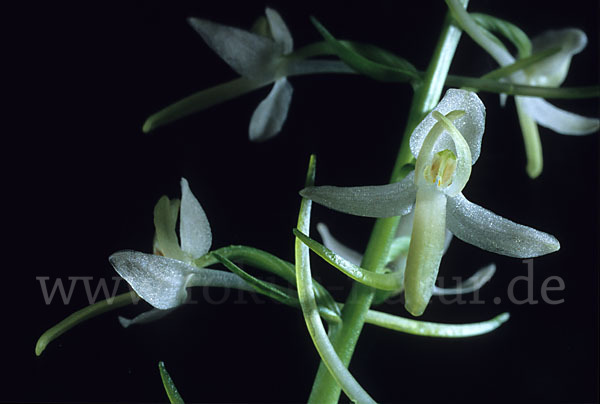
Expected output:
(170, 388)
(389, 281)
(508, 30)
(384, 67)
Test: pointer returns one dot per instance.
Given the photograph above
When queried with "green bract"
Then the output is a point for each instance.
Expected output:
(439, 205)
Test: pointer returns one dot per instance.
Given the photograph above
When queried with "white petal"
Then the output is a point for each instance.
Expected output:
(219, 279)
(471, 125)
(488, 231)
(552, 71)
(160, 281)
(503, 97)
(560, 121)
(194, 229)
(334, 245)
(472, 284)
(250, 55)
(269, 116)
(447, 241)
(406, 224)
(371, 201)
(146, 317)
(165, 222)
(426, 248)
(281, 33)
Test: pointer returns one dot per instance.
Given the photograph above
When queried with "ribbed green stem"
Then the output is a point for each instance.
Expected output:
(325, 389)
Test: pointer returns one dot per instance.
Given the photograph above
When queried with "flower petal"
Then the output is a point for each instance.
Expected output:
(371, 201)
(488, 231)
(160, 281)
(553, 70)
(279, 31)
(269, 116)
(194, 229)
(471, 125)
(560, 121)
(250, 55)
(145, 317)
(165, 221)
(334, 245)
(475, 282)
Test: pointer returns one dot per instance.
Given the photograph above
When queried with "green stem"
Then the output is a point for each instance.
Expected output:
(80, 316)
(531, 139)
(201, 100)
(344, 338)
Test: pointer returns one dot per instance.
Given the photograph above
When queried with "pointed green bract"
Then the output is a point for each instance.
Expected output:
(169, 385)
(373, 69)
(507, 29)
(268, 262)
(388, 281)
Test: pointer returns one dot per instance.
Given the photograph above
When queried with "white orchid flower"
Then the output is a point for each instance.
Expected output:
(550, 72)
(162, 278)
(446, 143)
(262, 60)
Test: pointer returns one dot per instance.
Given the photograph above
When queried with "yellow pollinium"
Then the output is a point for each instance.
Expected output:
(441, 170)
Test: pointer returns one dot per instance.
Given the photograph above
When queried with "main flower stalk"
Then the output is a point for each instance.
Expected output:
(344, 338)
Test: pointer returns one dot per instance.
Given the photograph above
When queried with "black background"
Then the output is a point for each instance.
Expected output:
(81, 182)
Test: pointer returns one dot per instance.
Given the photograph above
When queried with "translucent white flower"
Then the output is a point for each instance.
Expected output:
(550, 72)
(262, 59)
(446, 143)
(161, 279)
